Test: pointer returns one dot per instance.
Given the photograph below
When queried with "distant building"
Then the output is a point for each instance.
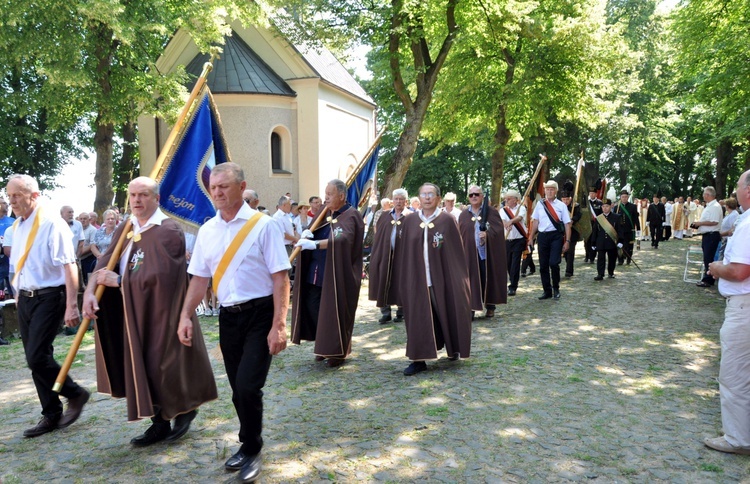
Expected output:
(293, 117)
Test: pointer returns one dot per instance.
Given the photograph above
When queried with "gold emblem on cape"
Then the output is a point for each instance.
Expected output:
(474, 219)
(395, 222)
(331, 220)
(136, 237)
(430, 225)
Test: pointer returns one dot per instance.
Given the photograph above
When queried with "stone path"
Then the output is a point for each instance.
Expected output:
(616, 382)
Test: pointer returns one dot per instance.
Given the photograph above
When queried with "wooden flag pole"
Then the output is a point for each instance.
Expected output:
(579, 172)
(156, 174)
(321, 216)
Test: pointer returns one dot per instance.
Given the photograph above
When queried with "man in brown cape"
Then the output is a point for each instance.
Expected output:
(384, 248)
(328, 279)
(483, 235)
(430, 267)
(138, 353)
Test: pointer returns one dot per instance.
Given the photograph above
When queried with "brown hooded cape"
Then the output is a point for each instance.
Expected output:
(381, 260)
(138, 353)
(496, 288)
(342, 280)
(450, 282)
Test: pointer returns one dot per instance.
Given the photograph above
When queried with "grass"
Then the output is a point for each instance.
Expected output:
(711, 468)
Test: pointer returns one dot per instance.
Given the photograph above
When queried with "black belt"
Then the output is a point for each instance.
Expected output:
(238, 308)
(40, 292)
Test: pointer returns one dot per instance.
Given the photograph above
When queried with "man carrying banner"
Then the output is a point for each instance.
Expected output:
(384, 248)
(595, 208)
(46, 285)
(514, 216)
(630, 222)
(608, 238)
(237, 246)
(552, 220)
(483, 238)
(328, 279)
(138, 354)
(431, 270)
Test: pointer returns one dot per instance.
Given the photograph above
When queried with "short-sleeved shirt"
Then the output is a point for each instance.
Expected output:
(285, 225)
(513, 234)
(102, 239)
(253, 277)
(712, 213)
(737, 251)
(540, 215)
(51, 250)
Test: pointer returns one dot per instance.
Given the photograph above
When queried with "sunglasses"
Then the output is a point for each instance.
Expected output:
(472, 195)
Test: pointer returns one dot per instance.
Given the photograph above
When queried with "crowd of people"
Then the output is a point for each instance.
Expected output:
(454, 262)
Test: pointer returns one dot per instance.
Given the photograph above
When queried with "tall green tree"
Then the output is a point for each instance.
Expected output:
(105, 52)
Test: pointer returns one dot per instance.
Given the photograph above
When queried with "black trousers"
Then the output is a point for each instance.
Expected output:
(709, 243)
(570, 257)
(386, 311)
(627, 248)
(38, 321)
(588, 244)
(243, 337)
(667, 233)
(311, 303)
(655, 235)
(513, 252)
(611, 255)
(527, 264)
(550, 255)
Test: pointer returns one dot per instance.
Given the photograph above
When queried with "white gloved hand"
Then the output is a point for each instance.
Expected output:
(306, 234)
(306, 244)
(593, 248)
(619, 246)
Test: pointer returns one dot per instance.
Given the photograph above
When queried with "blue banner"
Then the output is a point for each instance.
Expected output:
(184, 186)
(360, 190)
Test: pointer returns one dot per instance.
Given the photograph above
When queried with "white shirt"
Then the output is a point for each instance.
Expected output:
(285, 225)
(253, 277)
(8, 242)
(88, 236)
(425, 242)
(77, 229)
(51, 251)
(456, 212)
(545, 224)
(738, 251)
(518, 210)
(667, 214)
(712, 213)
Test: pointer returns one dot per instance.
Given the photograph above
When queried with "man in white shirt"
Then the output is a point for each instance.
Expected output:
(709, 226)
(46, 284)
(552, 220)
(67, 214)
(252, 321)
(734, 378)
(667, 226)
(514, 220)
(284, 222)
(449, 205)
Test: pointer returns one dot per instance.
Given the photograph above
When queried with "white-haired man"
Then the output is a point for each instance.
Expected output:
(514, 221)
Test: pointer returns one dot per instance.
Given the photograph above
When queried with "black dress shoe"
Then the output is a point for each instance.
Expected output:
(599, 278)
(156, 433)
(251, 470)
(237, 461)
(398, 319)
(611, 276)
(384, 319)
(334, 362)
(44, 426)
(415, 367)
(556, 293)
(544, 296)
(568, 274)
(181, 425)
(511, 292)
(75, 407)
(523, 274)
(3, 341)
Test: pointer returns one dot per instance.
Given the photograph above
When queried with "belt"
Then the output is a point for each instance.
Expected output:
(40, 292)
(238, 308)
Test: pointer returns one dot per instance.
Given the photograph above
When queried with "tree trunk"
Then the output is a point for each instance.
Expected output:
(127, 166)
(723, 157)
(407, 146)
(103, 139)
(502, 133)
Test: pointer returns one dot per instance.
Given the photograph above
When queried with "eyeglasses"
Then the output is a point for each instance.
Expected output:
(472, 195)
(427, 196)
(246, 200)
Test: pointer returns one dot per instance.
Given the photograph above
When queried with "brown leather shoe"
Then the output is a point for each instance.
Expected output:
(319, 358)
(721, 444)
(490, 313)
(334, 362)
(44, 426)
(75, 407)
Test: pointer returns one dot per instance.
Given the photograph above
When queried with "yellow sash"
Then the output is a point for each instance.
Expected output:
(608, 229)
(232, 250)
(29, 243)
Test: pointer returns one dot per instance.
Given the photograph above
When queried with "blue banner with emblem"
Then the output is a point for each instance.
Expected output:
(359, 191)
(184, 186)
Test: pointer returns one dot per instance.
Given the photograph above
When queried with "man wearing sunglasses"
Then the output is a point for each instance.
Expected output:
(484, 246)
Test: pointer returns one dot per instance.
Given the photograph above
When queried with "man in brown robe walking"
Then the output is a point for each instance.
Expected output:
(138, 353)
(384, 248)
(483, 235)
(329, 276)
(430, 267)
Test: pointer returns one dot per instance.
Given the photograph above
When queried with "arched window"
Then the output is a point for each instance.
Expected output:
(276, 153)
(281, 151)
